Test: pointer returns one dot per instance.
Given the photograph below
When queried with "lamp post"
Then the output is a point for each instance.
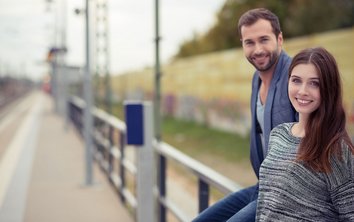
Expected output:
(88, 120)
(87, 94)
(157, 116)
(56, 55)
(102, 52)
(157, 98)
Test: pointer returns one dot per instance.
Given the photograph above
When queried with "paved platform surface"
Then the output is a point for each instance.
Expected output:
(42, 170)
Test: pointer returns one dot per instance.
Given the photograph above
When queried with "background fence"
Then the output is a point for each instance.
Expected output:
(117, 161)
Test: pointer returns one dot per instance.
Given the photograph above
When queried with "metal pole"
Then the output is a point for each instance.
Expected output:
(62, 77)
(108, 74)
(161, 177)
(157, 115)
(55, 63)
(102, 59)
(145, 182)
(88, 121)
(63, 26)
(54, 82)
(64, 69)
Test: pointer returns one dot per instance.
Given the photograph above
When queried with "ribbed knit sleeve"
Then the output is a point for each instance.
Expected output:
(343, 201)
(341, 185)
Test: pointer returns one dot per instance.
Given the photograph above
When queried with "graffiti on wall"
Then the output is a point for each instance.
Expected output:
(227, 115)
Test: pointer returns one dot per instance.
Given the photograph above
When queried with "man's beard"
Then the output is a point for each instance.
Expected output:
(273, 57)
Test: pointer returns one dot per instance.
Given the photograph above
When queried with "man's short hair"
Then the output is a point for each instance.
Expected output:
(252, 16)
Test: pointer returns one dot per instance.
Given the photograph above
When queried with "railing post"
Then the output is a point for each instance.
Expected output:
(203, 195)
(162, 186)
(121, 165)
(110, 156)
(140, 132)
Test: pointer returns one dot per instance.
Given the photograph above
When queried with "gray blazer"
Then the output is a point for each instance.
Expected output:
(277, 110)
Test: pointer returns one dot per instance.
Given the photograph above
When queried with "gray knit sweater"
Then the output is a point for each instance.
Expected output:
(289, 191)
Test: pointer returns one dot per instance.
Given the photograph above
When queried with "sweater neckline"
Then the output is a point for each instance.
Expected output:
(291, 135)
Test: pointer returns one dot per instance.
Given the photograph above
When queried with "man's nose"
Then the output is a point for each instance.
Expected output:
(258, 49)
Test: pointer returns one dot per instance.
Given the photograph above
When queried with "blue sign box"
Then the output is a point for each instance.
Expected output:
(134, 120)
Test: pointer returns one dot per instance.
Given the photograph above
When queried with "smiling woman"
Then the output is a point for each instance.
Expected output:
(309, 169)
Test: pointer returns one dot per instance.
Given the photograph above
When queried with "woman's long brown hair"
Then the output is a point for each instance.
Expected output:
(325, 129)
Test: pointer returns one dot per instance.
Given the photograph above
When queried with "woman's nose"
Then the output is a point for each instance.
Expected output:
(303, 89)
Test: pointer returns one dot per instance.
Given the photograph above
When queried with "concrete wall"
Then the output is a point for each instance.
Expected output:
(215, 88)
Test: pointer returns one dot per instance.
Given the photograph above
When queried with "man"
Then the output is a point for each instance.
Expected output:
(262, 42)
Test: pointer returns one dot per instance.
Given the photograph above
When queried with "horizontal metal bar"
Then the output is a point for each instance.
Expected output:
(203, 172)
(80, 103)
(117, 124)
(129, 166)
(129, 196)
(176, 211)
(117, 182)
(115, 152)
(111, 120)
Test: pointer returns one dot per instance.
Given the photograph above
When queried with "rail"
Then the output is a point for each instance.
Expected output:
(109, 136)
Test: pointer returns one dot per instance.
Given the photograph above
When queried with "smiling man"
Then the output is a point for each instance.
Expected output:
(262, 42)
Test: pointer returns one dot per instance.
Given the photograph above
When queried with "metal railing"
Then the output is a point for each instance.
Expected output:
(109, 136)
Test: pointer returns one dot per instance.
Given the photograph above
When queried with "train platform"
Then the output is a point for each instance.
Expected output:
(42, 169)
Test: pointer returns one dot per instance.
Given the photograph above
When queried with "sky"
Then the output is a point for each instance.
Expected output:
(28, 28)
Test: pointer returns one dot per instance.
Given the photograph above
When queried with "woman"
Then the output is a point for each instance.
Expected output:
(309, 171)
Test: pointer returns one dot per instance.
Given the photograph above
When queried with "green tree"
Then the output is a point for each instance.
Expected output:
(297, 17)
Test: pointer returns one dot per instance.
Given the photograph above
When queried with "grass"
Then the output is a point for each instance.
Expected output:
(194, 139)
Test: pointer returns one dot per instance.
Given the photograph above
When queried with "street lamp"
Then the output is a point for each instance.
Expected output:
(88, 119)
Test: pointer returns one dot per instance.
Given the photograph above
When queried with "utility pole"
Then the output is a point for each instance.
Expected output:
(53, 54)
(88, 120)
(157, 98)
(62, 78)
(102, 60)
(57, 55)
(161, 161)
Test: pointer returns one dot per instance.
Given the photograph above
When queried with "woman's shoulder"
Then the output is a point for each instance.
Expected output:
(282, 128)
(282, 132)
(346, 156)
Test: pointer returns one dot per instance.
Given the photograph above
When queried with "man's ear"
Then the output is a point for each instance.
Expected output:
(280, 39)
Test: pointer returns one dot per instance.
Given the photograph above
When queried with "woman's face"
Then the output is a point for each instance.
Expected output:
(304, 89)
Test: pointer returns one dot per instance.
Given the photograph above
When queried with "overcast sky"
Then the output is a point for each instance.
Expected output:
(27, 30)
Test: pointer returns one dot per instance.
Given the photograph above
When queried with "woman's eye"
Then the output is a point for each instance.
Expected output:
(314, 83)
(295, 80)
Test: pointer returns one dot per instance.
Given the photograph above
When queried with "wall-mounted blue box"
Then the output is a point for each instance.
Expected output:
(134, 120)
